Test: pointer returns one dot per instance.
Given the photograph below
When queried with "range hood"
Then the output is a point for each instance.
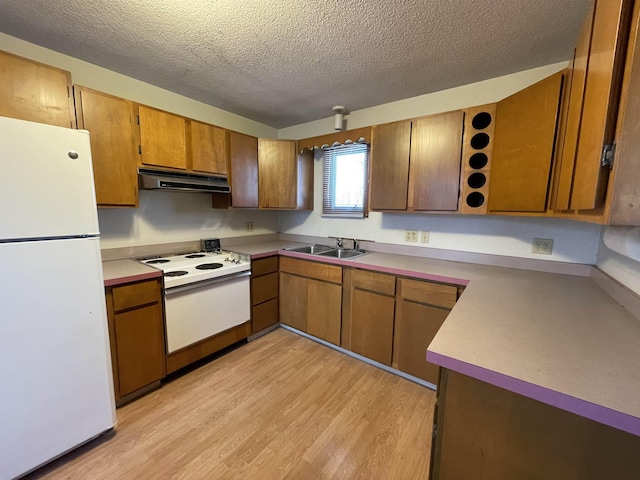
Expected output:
(150, 179)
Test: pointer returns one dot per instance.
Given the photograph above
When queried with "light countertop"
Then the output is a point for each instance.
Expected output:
(559, 339)
(117, 272)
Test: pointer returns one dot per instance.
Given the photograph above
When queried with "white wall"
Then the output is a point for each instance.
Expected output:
(621, 267)
(165, 217)
(92, 76)
(480, 93)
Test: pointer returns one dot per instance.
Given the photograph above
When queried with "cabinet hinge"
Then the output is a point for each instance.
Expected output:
(608, 151)
(138, 119)
(140, 149)
(68, 91)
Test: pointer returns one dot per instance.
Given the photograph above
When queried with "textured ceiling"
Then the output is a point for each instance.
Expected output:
(285, 62)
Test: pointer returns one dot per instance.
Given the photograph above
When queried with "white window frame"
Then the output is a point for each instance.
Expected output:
(329, 208)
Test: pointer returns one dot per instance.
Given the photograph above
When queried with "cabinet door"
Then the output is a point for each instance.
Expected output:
(162, 137)
(523, 147)
(599, 104)
(436, 149)
(110, 122)
(277, 173)
(293, 301)
(140, 346)
(324, 310)
(35, 92)
(389, 166)
(209, 148)
(421, 309)
(244, 170)
(264, 315)
(369, 314)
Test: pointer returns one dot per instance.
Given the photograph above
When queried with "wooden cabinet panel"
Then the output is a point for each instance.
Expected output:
(372, 317)
(488, 433)
(436, 294)
(243, 153)
(319, 271)
(601, 99)
(110, 121)
(262, 266)
(264, 315)
(389, 166)
(324, 302)
(209, 148)
(566, 162)
(374, 281)
(264, 288)
(523, 147)
(416, 325)
(140, 344)
(163, 138)
(293, 301)
(277, 173)
(35, 92)
(436, 149)
(135, 294)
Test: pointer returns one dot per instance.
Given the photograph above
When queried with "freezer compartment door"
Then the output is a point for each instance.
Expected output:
(46, 181)
(56, 384)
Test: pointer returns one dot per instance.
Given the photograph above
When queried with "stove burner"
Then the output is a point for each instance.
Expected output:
(209, 266)
(158, 260)
(195, 255)
(176, 273)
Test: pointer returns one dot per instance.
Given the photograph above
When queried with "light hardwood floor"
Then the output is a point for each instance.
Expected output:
(281, 407)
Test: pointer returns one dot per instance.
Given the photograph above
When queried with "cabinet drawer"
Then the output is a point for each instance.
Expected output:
(428, 293)
(263, 266)
(264, 288)
(319, 271)
(264, 315)
(135, 294)
(375, 282)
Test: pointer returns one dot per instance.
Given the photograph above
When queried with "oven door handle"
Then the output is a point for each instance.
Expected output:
(211, 281)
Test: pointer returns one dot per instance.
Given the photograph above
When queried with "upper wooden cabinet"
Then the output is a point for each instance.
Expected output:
(209, 148)
(162, 138)
(593, 105)
(243, 160)
(285, 177)
(110, 122)
(523, 148)
(35, 92)
(415, 165)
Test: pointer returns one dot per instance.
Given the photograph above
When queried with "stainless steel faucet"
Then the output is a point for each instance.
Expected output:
(338, 242)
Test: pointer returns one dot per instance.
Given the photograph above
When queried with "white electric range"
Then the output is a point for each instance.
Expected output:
(205, 293)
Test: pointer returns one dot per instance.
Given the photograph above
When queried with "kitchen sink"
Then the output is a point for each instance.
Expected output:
(312, 249)
(342, 253)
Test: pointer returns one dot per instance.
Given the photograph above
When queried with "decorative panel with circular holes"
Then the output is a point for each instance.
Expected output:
(477, 146)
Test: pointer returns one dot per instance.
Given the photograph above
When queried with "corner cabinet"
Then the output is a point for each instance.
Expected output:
(311, 298)
(35, 92)
(111, 122)
(136, 332)
(285, 177)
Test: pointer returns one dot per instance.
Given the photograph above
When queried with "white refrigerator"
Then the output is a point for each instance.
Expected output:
(56, 386)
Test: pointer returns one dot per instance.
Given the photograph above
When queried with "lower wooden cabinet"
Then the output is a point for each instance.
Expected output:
(487, 433)
(421, 309)
(311, 298)
(136, 332)
(264, 293)
(368, 314)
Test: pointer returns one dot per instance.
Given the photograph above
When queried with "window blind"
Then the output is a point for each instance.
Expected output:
(344, 183)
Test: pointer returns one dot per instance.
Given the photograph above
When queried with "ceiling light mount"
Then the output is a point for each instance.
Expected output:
(339, 112)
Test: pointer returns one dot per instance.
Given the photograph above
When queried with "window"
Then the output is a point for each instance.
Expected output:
(344, 185)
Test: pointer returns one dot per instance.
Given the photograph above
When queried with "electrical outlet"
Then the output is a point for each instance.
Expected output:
(543, 246)
(410, 236)
(249, 226)
(424, 237)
